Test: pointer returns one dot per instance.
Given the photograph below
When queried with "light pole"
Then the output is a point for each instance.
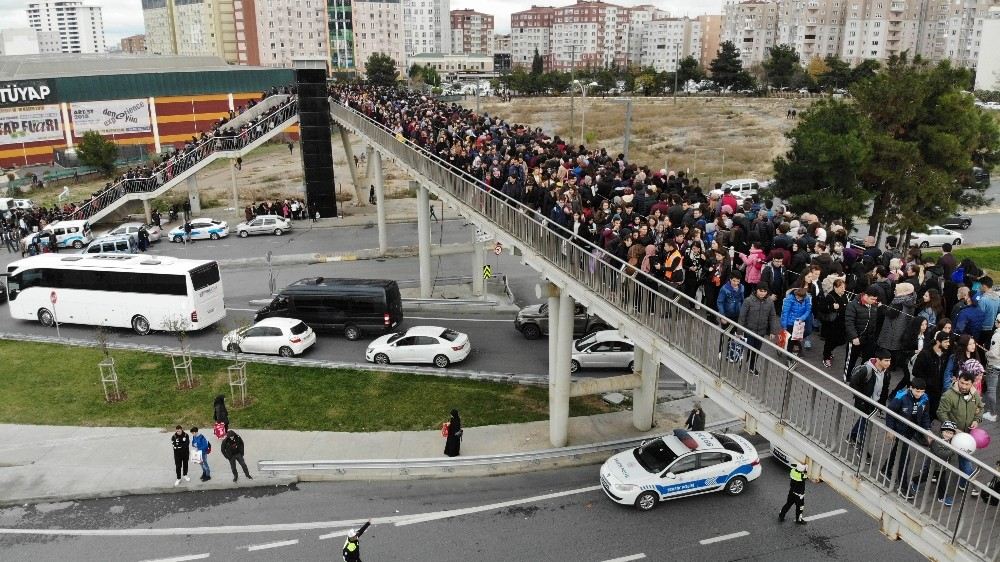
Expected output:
(677, 67)
(628, 124)
(583, 111)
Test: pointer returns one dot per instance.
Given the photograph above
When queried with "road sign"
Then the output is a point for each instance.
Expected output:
(52, 297)
(483, 236)
(498, 249)
(487, 271)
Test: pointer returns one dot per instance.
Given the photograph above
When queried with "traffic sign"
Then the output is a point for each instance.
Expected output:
(52, 297)
(487, 271)
(498, 249)
(482, 236)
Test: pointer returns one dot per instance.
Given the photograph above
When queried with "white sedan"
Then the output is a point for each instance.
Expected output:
(132, 228)
(286, 337)
(420, 344)
(936, 236)
(201, 229)
(606, 349)
(264, 224)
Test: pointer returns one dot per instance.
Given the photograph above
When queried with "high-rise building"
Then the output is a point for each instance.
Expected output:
(18, 41)
(639, 18)
(247, 41)
(426, 26)
(340, 26)
(531, 31)
(879, 29)
(590, 34)
(191, 27)
(294, 29)
(502, 53)
(133, 44)
(80, 27)
(988, 63)
(666, 41)
(378, 28)
(711, 37)
(753, 27)
(471, 33)
(812, 27)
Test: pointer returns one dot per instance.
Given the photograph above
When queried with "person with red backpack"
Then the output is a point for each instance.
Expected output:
(201, 444)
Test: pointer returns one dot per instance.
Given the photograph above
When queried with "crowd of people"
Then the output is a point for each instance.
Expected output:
(291, 209)
(779, 274)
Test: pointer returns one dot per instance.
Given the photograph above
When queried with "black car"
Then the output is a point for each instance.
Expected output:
(958, 220)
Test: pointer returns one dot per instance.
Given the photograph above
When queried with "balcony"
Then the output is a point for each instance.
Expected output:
(897, 6)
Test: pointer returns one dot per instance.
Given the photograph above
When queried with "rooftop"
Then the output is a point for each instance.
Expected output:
(29, 67)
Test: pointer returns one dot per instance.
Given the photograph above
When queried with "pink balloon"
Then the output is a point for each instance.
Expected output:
(982, 438)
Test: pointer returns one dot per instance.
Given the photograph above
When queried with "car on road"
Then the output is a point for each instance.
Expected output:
(958, 220)
(681, 464)
(132, 229)
(935, 236)
(420, 344)
(201, 229)
(120, 244)
(533, 321)
(607, 349)
(286, 337)
(743, 188)
(264, 224)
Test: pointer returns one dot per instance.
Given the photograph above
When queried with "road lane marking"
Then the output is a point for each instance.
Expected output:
(302, 526)
(721, 538)
(639, 556)
(278, 544)
(335, 534)
(181, 558)
(446, 514)
(825, 515)
(456, 319)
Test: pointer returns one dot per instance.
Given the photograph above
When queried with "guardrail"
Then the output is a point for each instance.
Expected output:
(779, 388)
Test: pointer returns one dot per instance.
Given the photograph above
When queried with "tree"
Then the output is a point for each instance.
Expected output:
(689, 69)
(837, 74)
(727, 68)
(537, 64)
(381, 70)
(98, 152)
(820, 171)
(782, 65)
(817, 67)
(867, 68)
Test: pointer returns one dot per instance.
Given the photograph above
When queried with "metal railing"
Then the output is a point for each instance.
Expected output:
(779, 386)
(170, 169)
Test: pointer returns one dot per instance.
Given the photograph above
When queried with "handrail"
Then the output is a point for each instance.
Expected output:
(780, 386)
(180, 163)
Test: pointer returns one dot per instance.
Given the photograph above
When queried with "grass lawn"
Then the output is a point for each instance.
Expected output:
(986, 257)
(60, 385)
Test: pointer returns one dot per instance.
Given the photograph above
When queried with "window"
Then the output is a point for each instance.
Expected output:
(686, 464)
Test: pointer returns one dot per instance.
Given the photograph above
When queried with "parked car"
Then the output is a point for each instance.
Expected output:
(286, 337)
(958, 220)
(264, 224)
(936, 236)
(743, 188)
(533, 321)
(132, 228)
(203, 228)
(607, 349)
(118, 244)
(420, 344)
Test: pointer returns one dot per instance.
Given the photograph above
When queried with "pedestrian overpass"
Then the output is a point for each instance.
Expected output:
(783, 402)
(182, 168)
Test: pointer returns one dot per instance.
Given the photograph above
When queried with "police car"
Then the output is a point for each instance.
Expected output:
(201, 229)
(686, 463)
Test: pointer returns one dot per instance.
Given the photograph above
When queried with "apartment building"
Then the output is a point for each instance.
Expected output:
(427, 26)
(80, 27)
(135, 44)
(247, 41)
(379, 28)
(589, 34)
(988, 63)
(191, 27)
(879, 29)
(665, 42)
(639, 17)
(812, 27)
(753, 27)
(22, 41)
(288, 29)
(531, 30)
(471, 33)
(340, 36)
(710, 26)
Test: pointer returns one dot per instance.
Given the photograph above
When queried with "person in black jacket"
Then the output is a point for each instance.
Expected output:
(832, 308)
(453, 444)
(861, 329)
(232, 449)
(352, 546)
(220, 413)
(871, 380)
(181, 444)
(930, 365)
(696, 419)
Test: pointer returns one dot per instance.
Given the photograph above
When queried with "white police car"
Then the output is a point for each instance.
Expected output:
(201, 228)
(686, 463)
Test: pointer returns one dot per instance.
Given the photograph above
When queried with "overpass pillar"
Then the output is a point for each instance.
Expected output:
(424, 240)
(559, 385)
(369, 152)
(147, 210)
(644, 397)
(194, 198)
(236, 195)
(375, 165)
(360, 199)
(478, 281)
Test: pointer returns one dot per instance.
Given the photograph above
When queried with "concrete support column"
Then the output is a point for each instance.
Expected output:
(361, 198)
(147, 210)
(478, 261)
(194, 198)
(375, 165)
(559, 386)
(644, 397)
(369, 152)
(424, 240)
(236, 194)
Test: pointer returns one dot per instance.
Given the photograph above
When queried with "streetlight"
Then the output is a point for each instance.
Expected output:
(628, 123)
(583, 117)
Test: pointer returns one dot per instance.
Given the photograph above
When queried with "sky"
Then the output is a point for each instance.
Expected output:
(124, 17)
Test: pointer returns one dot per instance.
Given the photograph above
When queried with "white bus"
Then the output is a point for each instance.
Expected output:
(121, 290)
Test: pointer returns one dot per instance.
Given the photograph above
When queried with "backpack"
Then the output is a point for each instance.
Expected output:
(958, 276)
(994, 485)
(859, 378)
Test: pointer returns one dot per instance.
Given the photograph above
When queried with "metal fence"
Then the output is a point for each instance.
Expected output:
(782, 385)
(180, 163)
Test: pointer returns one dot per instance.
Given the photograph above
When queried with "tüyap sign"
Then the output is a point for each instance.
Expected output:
(26, 92)
(111, 117)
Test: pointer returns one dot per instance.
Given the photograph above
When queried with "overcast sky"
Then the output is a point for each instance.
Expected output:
(124, 17)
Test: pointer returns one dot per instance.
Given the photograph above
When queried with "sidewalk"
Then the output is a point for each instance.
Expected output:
(57, 463)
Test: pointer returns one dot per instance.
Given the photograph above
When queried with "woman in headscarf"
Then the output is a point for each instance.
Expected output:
(220, 413)
(453, 444)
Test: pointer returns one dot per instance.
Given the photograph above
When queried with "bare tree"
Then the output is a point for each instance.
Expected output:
(109, 374)
(233, 340)
(183, 365)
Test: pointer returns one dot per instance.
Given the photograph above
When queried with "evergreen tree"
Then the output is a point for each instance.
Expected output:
(689, 69)
(782, 65)
(537, 64)
(381, 70)
(96, 151)
(727, 68)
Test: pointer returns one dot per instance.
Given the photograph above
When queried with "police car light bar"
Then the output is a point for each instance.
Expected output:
(686, 438)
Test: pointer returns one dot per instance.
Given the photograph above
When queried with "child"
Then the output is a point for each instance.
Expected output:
(948, 430)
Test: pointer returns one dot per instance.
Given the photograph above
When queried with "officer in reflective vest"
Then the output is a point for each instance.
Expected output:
(796, 493)
(352, 548)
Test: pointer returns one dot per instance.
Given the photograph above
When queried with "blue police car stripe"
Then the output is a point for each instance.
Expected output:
(705, 483)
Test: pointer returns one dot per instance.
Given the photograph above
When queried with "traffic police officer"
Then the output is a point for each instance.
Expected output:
(352, 548)
(796, 494)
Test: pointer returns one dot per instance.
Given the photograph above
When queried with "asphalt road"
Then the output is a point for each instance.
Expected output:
(554, 515)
